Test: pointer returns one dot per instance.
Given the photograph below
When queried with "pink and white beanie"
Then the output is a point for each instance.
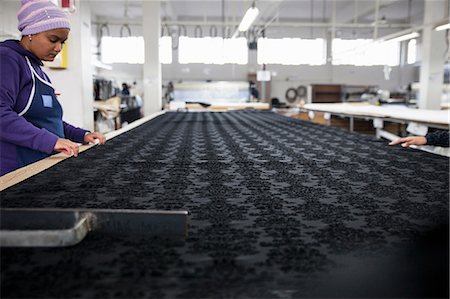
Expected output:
(37, 16)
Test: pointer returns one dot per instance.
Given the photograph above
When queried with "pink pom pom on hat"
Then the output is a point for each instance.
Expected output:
(37, 16)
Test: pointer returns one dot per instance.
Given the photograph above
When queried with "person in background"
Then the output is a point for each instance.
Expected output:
(438, 138)
(254, 94)
(125, 89)
(168, 95)
(31, 125)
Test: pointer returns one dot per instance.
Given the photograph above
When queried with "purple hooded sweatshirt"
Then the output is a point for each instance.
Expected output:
(16, 84)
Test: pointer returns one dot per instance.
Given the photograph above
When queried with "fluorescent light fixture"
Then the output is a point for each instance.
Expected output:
(249, 18)
(404, 37)
(442, 27)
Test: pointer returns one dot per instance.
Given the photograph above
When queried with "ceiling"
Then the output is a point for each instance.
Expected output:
(350, 14)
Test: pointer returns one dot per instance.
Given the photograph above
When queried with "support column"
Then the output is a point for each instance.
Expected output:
(151, 24)
(433, 56)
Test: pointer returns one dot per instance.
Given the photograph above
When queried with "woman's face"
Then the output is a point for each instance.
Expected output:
(46, 45)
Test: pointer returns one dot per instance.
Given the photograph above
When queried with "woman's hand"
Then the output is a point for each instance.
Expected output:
(66, 146)
(92, 137)
(411, 140)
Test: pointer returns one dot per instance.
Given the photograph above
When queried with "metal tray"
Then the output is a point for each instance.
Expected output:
(66, 227)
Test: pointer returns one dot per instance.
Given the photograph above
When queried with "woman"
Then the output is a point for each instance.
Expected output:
(31, 117)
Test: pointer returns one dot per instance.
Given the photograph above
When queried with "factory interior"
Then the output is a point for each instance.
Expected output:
(247, 153)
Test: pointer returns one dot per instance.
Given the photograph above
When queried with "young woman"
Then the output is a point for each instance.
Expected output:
(30, 115)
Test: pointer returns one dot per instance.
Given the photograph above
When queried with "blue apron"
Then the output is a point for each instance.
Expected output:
(43, 111)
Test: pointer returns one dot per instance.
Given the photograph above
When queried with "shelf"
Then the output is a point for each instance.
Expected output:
(326, 93)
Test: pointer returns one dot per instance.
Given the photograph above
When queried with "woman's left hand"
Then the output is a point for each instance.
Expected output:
(92, 137)
(411, 140)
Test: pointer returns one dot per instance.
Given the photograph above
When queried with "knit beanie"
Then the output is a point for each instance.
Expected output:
(37, 16)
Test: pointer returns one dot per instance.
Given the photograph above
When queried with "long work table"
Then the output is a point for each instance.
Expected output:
(278, 207)
(434, 118)
(418, 120)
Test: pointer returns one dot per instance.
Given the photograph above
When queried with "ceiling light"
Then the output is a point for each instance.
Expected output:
(404, 37)
(249, 18)
(442, 27)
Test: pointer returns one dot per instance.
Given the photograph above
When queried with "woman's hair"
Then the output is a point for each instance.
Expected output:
(37, 16)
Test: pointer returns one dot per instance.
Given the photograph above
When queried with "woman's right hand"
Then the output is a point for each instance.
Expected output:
(67, 147)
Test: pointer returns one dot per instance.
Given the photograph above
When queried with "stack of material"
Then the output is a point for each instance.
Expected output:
(279, 208)
(109, 110)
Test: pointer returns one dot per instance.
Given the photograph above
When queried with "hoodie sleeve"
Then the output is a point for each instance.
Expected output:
(73, 133)
(438, 138)
(16, 129)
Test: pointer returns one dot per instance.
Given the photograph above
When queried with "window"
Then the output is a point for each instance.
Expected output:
(123, 49)
(212, 50)
(412, 51)
(291, 51)
(235, 50)
(365, 52)
(131, 49)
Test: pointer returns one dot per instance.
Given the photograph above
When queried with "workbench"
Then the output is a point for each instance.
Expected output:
(279, 208)
(399, 113)
(417, 120)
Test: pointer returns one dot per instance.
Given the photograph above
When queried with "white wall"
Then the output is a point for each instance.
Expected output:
(287, 76)
(348, 75)
(8, 20)
(75, 82)
(293, 76)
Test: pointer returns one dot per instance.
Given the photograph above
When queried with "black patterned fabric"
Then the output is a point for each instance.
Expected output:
(279, 208)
